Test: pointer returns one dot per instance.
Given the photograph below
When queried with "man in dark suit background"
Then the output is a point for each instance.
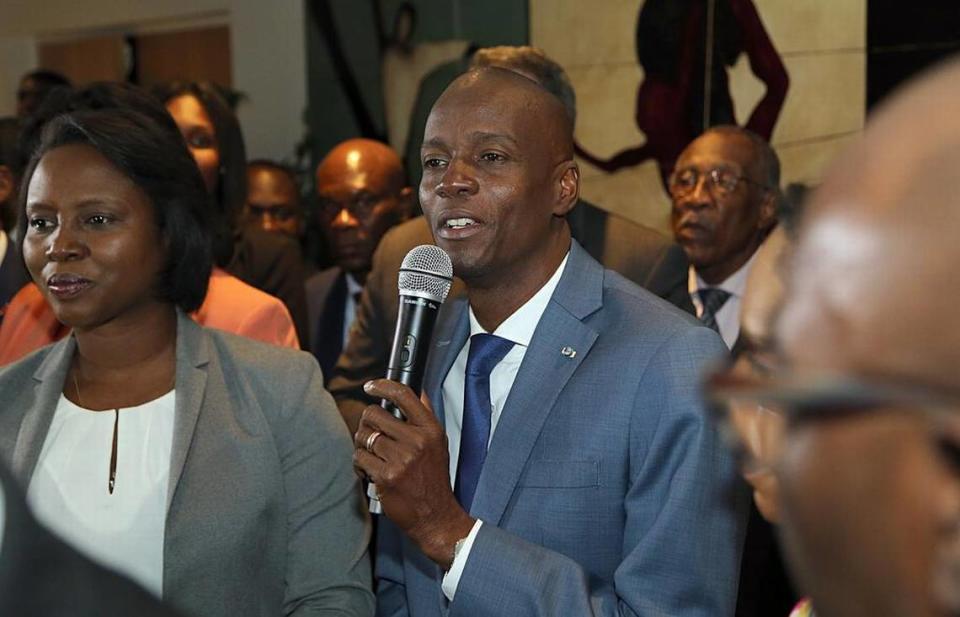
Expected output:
(724, 194)
(362, 193)
(639, 253)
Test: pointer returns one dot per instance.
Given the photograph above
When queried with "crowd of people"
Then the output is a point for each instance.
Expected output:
(612, 422)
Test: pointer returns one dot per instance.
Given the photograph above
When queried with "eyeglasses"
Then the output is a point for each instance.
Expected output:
(798, 398)
(719, 181)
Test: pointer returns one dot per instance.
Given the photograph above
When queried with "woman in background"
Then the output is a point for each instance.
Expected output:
(212, 469)
(266, 261)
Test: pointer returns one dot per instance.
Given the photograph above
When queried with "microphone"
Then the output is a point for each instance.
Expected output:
(425, 278)
(426, 275)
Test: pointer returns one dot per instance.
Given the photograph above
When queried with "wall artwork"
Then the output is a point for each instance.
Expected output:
(650, 75)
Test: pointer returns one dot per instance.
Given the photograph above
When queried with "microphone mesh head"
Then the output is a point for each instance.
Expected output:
(426, 272)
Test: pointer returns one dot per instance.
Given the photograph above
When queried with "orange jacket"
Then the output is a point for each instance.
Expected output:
(231, 305)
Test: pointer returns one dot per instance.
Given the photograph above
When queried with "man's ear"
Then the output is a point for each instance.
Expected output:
(768, 209)
(568, 188)
(405, 204)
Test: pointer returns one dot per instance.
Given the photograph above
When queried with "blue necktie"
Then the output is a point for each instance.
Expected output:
(486, 351)
(713, 299)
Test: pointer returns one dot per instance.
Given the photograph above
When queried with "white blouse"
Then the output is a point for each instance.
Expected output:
(69, 489)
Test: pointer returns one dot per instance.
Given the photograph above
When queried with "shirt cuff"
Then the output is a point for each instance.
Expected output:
(451, 580)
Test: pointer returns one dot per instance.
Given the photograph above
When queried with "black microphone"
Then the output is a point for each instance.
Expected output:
(426, 275)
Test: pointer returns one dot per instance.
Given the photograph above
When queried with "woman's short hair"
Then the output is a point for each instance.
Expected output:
(156, 159)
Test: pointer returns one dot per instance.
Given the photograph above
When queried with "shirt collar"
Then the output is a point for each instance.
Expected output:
(353, 287)
(520, 325)
(735, 284)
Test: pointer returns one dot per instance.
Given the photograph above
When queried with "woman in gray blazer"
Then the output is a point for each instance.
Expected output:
(212, 469)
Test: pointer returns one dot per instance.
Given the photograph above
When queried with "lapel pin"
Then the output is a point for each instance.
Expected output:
(569, 352)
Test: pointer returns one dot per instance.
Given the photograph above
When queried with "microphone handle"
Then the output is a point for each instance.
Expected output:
(408, 357)
(411, 344)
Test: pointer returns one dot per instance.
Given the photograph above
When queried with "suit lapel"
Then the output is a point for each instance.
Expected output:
(560, 343)
(192, 359)
(49, 379)
(329, 338)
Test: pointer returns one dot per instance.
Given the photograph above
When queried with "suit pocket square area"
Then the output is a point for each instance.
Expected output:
(561, 474)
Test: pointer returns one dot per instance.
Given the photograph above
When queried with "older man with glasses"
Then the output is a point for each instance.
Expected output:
(724, 194)
(865, 370)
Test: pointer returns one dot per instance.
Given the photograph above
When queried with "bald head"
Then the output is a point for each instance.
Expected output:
(874, 288)
(362, 193)
(362, 161)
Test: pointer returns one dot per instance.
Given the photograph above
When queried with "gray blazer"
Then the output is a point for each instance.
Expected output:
(605, 487)
(264, 511)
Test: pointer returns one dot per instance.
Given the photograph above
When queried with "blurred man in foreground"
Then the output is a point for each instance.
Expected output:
(866, 376)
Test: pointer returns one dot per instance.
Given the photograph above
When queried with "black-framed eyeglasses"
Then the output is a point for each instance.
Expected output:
(797, 398)
(719, 181)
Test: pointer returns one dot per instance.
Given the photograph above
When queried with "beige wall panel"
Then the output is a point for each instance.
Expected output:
(827, 95)
(634, 193)
(807, 162)
(32, 17)
(192, 55)
(605, 102)
(84, 61)
(821, 42)
(806, 25)
(579, 32)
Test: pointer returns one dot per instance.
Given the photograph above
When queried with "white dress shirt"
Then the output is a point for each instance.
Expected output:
(519, 328)
(68, 492)
(728, 317)
(350, 306)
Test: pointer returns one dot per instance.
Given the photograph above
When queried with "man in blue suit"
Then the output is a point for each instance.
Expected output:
(565, 467)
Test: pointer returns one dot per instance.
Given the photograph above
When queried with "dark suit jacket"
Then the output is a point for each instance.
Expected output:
(326, 299)
(13, 275)
(603, 491)
(639, 253)
(272, 263)
(42, 576)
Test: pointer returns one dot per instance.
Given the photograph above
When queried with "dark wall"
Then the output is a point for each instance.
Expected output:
(903, 38)
(332, 115)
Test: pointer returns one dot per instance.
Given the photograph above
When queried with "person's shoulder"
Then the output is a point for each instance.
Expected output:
(259, 359)
(16, 373)
(636, 305)
(638, 319)
(405, 236)
(226, 290)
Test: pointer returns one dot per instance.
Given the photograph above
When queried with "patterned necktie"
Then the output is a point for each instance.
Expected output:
(486, 351)
(713, 298)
